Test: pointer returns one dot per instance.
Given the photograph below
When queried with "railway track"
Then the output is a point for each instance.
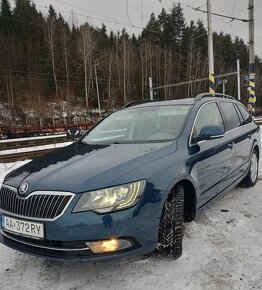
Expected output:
(27, 143)
(8, 144)
(24, 155)
(258, 120)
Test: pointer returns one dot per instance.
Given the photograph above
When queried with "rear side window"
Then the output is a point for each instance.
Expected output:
(231, 116)
(209, 115)
(246, 116)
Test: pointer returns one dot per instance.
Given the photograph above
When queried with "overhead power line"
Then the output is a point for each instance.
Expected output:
(217, 14)
(83, 9)
(44, 77)
(234, 7)
(102, 18)
(112, 20)
(109, 20)
(127, 12)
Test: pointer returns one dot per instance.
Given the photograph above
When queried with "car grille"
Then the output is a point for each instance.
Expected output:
(42, 206)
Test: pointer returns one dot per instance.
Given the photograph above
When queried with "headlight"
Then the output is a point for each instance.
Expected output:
(112, 198)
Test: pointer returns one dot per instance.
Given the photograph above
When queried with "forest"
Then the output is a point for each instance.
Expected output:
(48, 66)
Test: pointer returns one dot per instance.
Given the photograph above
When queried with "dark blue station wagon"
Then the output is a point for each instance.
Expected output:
(128, 185)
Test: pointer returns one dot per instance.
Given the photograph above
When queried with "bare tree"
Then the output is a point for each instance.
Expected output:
(117, 63)
(86, 47)
(11, 90)
(165, 71)
(142, 72)
(124, 53)
(65, 39)
(189, 67)
(110, 76)
(50, 36)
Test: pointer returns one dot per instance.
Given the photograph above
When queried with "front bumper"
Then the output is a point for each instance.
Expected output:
(62, 253)
(66, 236)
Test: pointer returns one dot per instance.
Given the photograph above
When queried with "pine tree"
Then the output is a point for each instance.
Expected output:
(6, 18)
(52, 12)
(168, 49)
(25, 18)
(173, 26)
(152, 30)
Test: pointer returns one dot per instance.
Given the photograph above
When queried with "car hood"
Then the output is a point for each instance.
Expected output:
(83, 167)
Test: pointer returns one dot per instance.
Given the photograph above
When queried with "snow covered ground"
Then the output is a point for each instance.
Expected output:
(34, 148)
(222, 250)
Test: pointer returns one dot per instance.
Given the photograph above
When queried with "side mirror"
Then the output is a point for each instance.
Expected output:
(210, 133)
(73, 133)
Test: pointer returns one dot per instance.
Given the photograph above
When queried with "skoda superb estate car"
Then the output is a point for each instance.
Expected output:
(128, 185)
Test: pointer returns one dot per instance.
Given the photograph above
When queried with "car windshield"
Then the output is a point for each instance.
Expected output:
(146, 124)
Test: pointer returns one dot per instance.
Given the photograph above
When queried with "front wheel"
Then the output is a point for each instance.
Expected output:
(251, 179)
(171, 224)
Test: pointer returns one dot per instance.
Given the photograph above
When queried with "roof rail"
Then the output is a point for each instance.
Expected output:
(134, 103)
(206, 95)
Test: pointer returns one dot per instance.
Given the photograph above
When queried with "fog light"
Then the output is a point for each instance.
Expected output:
(108, 246)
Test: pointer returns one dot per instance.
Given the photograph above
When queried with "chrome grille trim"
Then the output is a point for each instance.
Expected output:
(9, 187)
(38, 205)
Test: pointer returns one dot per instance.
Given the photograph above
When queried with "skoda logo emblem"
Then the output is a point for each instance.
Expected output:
(23, 188)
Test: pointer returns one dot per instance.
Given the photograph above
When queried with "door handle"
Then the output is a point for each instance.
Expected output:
(249, 136)
(231, 145)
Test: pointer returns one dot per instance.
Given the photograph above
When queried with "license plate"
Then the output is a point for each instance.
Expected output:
(24, 228)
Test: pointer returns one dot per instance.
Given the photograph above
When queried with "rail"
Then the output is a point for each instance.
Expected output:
(7, 144)
(258, 120)
(12, 150)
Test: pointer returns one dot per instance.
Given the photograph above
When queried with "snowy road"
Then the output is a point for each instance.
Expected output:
(222, 250)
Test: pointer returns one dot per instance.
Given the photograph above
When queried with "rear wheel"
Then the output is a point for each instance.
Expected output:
(171, 224)
(251, 178)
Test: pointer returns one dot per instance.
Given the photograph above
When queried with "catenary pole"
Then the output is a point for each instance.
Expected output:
(238, 80)
(252, 75)
(210, 50)
(151, 88)
(224, 86)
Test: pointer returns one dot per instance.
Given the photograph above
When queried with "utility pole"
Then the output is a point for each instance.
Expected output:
(97, 90)
(252, 72)
(151, 88)
(224, 86)
(238, 80)
(210, 50)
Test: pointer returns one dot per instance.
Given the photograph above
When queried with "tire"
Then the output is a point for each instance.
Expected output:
(251, 179)
(171, 225)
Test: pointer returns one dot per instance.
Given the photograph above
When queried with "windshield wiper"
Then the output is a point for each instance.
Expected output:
(82, 142)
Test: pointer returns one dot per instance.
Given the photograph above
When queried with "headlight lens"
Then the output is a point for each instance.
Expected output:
(112, 198)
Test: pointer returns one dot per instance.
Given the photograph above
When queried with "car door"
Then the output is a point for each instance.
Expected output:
(214, 157)
(248, 129)
(241, 136)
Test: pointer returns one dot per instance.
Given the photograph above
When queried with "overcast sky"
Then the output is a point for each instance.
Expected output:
(137, 12)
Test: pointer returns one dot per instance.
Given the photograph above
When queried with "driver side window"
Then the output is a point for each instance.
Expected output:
(209, 115)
